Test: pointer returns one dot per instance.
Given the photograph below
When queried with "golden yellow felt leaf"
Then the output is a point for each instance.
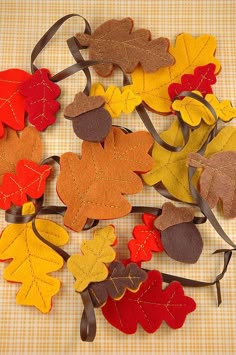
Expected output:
(90, 267)
(189, 53)
(115, 100)
(224, 109)
(224, 141)
(31, 260)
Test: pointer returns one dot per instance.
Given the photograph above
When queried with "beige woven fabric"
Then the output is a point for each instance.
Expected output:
(24, 330)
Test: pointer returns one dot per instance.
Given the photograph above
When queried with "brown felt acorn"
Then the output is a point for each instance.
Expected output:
(91, 122)
(179, 236)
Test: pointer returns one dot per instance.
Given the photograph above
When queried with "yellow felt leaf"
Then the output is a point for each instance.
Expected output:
(189, 53)
(115, 100)
(224, 109)
(32, 260)
(90, 267)
(171, 167)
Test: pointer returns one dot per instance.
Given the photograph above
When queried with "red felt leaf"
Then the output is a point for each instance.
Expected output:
(12, 103)
(30, 179)
(201, 80)
(146, 239)
(149, 306)
(40, 104)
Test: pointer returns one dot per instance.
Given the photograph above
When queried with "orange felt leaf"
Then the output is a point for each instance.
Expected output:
(93, 186)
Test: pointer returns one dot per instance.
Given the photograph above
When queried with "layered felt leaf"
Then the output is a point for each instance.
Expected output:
(29, 180)
(31, 260)
(93, 186)
(115, 42)
(40, 104)
(12, 103)
(120, 279)
(146, 239)
(150, 306)
(91, 266)
(189, 53)
(117, 101)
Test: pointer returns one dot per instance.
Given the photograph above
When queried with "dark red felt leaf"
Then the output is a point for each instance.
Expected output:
(12, 103)
(30, 179)
(146, 239)
(201, 80)
(40, 104)
(150, 306)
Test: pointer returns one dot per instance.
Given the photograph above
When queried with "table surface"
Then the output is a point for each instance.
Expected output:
(209, 329)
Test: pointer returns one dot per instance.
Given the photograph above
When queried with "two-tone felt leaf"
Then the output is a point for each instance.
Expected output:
(31, 261)
(150, 306)
(40, 93)
(115, 42)
(120, 279)
(146, 239)
(117, 101)
(94, 186)
(91, 266)
(189, 53)
(12, 103)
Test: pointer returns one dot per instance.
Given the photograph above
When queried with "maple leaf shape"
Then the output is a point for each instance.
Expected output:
(30, 179)
(90, 267)
(189, 53)
(146, 239)
(149, 306)
(202, 80)
(31, 260)
(12, 107)
(119, 280)
(115, 100)
(93, 186)
(40, 104)
(115, 42)
(14, 148)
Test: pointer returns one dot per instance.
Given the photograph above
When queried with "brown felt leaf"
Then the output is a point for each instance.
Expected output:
(172, 215)
(115, 42)
(81, 104)
(93, 186)
(217, 181)
(14, 148)
(120, 279)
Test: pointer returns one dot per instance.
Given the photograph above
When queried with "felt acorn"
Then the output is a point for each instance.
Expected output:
(179, 236)
(91, 122)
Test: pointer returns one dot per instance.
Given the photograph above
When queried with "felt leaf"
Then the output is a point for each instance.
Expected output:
(146, 239)
(224, 109)
(90, 267)
(170, 167)
(202, 80)
(189, 53)
(172, 215)
(14, 148)
(31, 260)
(150, 306)
(116, 101)
(120, 279)
(40, 93)
(81, 104)
(93, 186)
(12, 109)
(29, 180)
(114, 42)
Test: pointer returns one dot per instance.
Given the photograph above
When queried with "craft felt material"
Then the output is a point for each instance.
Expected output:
(172, 215)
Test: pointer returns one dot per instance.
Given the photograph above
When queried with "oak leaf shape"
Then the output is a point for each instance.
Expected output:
(91, 266)
(115, 42)
(189, 53)
(93, 186)
(31, 260)
(150, 306)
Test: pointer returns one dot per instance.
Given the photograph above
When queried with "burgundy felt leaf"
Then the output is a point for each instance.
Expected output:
(150, 306)
(146, 239)
(40, 104)
(30, 179)
(202, 80)
(12, 103)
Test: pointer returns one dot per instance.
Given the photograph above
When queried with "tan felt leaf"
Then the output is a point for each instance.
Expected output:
(81, 104)
(115, 42)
